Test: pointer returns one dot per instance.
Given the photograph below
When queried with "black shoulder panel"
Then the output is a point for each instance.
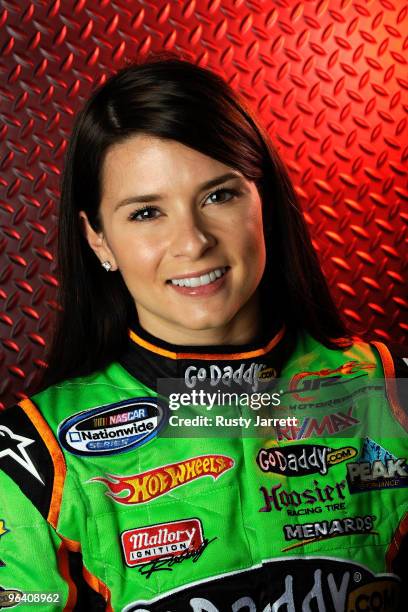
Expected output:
(25, 458)
(399, 354)
(87, 598)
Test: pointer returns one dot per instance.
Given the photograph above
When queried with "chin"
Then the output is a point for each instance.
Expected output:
(205, 322)
(202, 325)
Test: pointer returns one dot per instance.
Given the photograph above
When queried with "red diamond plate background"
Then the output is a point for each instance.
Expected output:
(327, 77)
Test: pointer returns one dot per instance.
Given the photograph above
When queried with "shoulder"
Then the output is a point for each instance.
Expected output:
(384, 359)
(31, 454)
(394, 358)
(347, 355)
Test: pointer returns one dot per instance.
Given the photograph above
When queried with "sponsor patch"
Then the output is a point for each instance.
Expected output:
(267, 374)
(146, 544)
(116, 428)
(244, 374)
(3, 531)
(295, 583)
(14, 446)
(294, 501)
(312, 381)
(166, 564)
(142, 488)
(329, 425)
(326, 530)
(302, 459)
(9, 597)
(376, 469)
(3, 528)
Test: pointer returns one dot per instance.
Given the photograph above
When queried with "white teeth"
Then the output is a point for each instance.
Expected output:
(198, 281)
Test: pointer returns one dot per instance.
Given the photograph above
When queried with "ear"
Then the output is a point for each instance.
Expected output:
(97, 242)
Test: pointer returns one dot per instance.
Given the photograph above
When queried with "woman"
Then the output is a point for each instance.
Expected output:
(184, 258)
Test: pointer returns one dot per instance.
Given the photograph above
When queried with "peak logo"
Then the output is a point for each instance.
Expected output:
(376, 469)
(142, 488)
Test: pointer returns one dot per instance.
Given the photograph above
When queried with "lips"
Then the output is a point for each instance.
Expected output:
(199, 280)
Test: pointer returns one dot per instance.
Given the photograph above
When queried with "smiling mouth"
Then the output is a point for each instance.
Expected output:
(199, 281)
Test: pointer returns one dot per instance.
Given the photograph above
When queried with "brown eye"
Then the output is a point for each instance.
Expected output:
(145, 214)
(221, 195)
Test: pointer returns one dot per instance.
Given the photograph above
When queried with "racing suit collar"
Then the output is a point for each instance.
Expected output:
(269, 340)
(150, 360)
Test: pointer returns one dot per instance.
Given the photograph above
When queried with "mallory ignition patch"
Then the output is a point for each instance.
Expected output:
(142, 488)
(147, 544)
(116, 428)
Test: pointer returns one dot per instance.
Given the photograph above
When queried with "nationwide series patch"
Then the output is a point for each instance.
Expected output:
(144, 487)
(376, 469)
(112, 429)
(302, 459)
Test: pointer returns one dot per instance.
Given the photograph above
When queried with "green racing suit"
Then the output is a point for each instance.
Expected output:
(114, 498)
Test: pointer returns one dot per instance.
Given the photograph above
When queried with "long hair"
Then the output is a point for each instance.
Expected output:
(174, 99)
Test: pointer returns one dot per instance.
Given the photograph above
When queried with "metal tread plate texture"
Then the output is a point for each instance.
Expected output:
(328, 79)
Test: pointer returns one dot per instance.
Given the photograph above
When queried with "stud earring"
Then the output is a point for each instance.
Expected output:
(107, 265)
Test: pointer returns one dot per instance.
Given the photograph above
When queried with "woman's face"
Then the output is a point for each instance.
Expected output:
(186, 233)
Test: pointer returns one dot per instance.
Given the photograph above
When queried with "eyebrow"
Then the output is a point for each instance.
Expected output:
(154, 197)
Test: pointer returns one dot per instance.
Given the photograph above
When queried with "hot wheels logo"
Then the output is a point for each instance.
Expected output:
(142, 488)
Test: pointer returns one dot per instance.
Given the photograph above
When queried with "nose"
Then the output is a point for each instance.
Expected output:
(190, 237)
